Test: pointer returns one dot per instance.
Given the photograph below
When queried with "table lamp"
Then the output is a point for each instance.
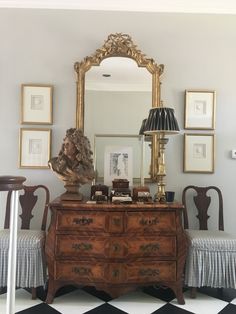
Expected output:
(161, 121)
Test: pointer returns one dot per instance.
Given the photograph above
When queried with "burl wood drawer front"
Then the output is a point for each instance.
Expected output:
(151, 272)
(151, 246)
(131, 247)
(76, 246)
(141, 272)
(81, 221)
(150, 222)
(73, 246)
(77, 271)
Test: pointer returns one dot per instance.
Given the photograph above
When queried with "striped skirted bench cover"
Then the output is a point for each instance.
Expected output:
(211, 259)
(31, 263)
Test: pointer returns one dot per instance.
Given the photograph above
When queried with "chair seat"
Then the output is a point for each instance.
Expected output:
(30, 239)
(212, 240)
(211, 259)
(31, 264)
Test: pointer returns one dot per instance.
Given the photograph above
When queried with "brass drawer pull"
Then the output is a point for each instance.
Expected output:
(149, 272)
(115, 273)
(82, 221)
(82, 246)
(150, 247)
(116, 221)
(149, 222)
(116, 247)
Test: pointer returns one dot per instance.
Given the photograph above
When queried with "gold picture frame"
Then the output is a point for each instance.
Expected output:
(34, 147)
(199, 153)
(200, 109)
(36, 104)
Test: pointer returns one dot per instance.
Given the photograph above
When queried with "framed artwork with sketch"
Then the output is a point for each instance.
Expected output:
(118, 164)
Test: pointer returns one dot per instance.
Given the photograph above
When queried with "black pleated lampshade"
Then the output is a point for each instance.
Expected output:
(143, 127)
(161, 119)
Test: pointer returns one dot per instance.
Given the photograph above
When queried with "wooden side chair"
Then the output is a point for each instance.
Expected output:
(211, 259)
(31, 262)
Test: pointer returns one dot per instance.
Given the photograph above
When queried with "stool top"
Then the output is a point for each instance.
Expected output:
(11, 183)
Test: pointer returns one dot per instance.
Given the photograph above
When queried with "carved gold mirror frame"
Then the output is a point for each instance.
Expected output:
(118, 45)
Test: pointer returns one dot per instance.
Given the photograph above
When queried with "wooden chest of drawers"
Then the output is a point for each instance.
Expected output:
(115, 248)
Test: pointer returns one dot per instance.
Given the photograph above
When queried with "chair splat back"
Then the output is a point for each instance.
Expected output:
(27, 202)
(202, 202)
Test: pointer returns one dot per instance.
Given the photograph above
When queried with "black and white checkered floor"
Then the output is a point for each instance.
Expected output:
(152, 300)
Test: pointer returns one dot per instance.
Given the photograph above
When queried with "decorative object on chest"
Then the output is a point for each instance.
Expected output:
(120, 192)
(115, 247)
(142, 194)
(161, 121)
(74, 164)
(120, 183)
(99, 193)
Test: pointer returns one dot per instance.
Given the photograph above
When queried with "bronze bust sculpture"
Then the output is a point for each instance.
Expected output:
(74, 164)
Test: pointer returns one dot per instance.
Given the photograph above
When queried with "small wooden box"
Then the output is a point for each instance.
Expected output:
(120, 183)
(99, 189)
(141, 193)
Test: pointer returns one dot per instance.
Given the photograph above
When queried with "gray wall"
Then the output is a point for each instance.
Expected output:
(41, 46)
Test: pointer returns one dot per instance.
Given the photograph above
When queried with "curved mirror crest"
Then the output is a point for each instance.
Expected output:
(115, 89)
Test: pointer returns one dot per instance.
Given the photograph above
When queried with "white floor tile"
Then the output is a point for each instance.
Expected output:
(23, 301)
(137, 302)
(233, 301)
(201, 304)
(76, 302)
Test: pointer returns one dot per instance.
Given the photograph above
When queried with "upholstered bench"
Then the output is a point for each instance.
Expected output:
(214, 254)
(31, 264)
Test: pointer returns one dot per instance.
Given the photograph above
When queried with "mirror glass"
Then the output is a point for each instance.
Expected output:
(116, 104)
(118, 95)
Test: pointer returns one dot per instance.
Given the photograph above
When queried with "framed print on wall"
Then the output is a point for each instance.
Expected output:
(36, 104)
(200, 110)
(199, 153)
(35, 148)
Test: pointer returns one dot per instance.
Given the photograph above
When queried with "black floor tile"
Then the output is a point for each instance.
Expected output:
(226, 295)
(229, 309)
(105, 309)
(65, 290)
(42, 308)
(165, 294)
(98, 293)
(171, 309)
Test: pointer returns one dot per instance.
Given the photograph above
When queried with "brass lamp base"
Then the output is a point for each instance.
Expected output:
(159, 198)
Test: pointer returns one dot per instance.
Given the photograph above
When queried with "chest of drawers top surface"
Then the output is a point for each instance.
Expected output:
(57, 203)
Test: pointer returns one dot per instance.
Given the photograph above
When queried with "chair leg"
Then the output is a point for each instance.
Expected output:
(34, 293)
(193, 292)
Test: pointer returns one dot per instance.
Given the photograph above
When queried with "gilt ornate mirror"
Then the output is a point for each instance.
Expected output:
(118, 52)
